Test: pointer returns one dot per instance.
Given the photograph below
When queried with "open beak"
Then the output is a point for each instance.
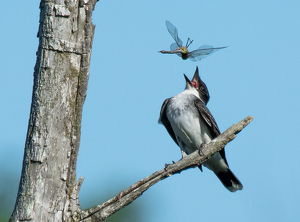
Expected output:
(196, 78)
(187, 80)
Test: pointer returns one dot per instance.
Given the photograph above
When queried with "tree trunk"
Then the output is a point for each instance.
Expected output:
(48, 190)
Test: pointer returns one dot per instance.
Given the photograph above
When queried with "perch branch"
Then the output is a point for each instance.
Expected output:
(125, 197)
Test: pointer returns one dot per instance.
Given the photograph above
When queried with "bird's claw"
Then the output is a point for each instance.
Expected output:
(200, 149)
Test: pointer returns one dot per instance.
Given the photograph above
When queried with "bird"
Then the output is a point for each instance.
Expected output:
(190, 124)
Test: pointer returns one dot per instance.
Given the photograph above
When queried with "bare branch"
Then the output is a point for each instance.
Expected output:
(125, 197)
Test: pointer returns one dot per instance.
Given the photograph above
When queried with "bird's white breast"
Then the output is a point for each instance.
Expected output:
(186, 122)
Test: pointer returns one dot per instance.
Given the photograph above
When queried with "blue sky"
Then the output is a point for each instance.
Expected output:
(258, 74)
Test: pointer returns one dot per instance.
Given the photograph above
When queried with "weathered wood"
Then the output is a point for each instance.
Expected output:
(48, 190)
(125, 197)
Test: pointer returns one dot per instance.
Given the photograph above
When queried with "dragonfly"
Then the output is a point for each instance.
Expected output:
(182, 51)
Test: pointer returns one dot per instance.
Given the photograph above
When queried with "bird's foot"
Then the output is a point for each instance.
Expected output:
(200, 149)
(183, 154)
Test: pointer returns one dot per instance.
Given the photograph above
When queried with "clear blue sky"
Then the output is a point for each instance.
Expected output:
(258, 74)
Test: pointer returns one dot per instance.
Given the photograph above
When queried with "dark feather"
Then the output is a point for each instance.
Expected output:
(164, 120)
(210, 121)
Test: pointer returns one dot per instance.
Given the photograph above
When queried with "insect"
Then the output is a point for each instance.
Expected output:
(182, 51)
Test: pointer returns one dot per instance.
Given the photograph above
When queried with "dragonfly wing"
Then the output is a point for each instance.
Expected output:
(174, 33)
(202, 52)
(179, 54)
(173, 46)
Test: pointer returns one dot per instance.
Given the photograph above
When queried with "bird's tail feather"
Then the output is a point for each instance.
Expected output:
(229, 180)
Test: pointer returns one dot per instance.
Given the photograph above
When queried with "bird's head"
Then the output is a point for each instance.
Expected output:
(198, 85)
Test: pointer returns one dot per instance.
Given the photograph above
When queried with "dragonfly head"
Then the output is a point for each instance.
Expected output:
(183, 50)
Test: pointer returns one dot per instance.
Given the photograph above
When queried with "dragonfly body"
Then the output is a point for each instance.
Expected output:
(182, 51)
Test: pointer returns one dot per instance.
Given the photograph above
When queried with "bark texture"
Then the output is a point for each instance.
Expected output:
(48, 190)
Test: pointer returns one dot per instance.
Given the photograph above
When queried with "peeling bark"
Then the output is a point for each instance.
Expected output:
(48, 190)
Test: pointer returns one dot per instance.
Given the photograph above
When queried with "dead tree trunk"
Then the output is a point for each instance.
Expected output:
(48, 190)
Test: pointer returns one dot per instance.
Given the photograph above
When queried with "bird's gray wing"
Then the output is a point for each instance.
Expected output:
(164, 120)
(210, 121)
